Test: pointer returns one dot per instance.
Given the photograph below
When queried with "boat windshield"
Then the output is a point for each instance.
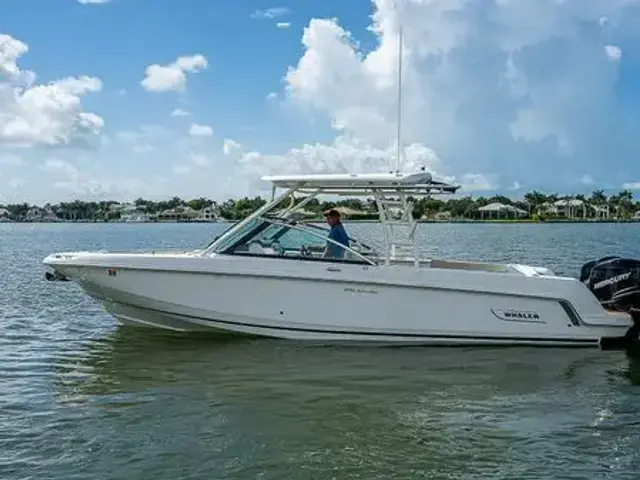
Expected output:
(265, 236)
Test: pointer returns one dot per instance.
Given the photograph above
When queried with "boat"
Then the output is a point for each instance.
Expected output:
(269, 276)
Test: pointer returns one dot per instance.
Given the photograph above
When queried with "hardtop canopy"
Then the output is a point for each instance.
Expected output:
(362, 183)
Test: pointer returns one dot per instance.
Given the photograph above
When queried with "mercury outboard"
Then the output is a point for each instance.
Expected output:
(615, 282)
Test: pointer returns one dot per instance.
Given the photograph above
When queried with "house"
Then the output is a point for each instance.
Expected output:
(131, 213)
(500, 210)
(569, 208)
(5, 216)
(37, 214)
(207, 214)
(178, 214)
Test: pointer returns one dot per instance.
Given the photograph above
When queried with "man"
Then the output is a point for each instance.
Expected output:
(337, 234)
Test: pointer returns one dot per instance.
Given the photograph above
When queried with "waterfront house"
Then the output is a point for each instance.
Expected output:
(207, 214)
(5, 216)
(500, 210)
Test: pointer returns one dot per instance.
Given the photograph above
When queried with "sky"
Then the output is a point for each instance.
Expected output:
(117, 99)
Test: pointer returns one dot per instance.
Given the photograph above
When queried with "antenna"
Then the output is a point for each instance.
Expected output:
(399, 119)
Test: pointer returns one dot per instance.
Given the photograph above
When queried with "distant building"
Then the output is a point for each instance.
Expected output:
(601, 212)
(207, 214)
(136, 216)
(5, 216)
(37, 214)
(500, 210)
(131, 213)
(178, 214)
(569, 208)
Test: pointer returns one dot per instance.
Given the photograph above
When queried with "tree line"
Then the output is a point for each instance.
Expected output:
(621, 205)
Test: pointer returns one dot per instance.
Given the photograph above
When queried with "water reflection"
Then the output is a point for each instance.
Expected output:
(133, 359)
(260, 407)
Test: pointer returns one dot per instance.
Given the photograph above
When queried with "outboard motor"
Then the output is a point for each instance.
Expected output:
(615, 282)
(587, 267)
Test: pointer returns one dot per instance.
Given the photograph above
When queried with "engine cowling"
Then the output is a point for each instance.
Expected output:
(615, 281)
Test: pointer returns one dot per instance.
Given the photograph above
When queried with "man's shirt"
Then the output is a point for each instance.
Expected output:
(338, 234)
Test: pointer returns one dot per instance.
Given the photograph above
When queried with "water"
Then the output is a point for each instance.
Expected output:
(81, 398)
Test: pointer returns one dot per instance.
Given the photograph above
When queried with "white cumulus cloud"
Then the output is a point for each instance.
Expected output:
(613, 52)
(173, 77)
(344, 155)
(48, 114)
(178, 112)
(498, 94)
(57, 166)
(229, 146)
(197, 130)
(506, 90)
(270, 13)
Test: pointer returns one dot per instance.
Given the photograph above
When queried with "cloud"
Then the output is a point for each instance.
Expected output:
(93, 183)
(93, 2)
(342, 156)
(200, 130)
(631, 186)
(55, 165)
(586, 180)
(146, 139)
(614, 53)
(511, 90)
(16, 182)
(178, 112)
(173, 77)
(200, 159)
(89, 186)
(499, 94)
(47, 114)
(10, 159)
(229, 146)
(11, 50)
(476, 182)
(194, 161)
(270, 13)
(283, 25)
(182, 169)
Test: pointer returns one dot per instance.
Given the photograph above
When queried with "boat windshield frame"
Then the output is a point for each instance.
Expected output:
(390, 191)
(259, 224)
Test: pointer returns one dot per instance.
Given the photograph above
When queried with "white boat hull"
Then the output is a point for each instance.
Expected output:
(353, 303)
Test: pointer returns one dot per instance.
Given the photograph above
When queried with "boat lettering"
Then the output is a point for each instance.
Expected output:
(517, 315)
(612, 280)
(361, 290)
(111, 272)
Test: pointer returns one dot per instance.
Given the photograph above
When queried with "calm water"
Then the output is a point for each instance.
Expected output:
(81, 398)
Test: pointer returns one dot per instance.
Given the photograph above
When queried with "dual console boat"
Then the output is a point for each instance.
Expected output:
(269, 275)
